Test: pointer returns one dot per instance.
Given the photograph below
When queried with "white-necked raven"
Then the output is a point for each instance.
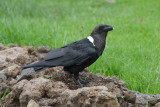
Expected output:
(77, 55)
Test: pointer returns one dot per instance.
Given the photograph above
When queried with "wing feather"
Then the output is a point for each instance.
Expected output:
(70, 55)
(76, 53)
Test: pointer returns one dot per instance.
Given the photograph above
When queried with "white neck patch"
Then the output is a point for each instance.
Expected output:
(90, 38)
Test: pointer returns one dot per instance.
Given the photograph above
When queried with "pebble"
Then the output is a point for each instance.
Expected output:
(26, 73)
(43, 49)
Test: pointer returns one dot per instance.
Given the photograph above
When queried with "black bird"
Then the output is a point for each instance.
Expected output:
(77, 55)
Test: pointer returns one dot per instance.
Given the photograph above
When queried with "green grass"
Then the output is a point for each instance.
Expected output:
(3, 97)
(133, 49)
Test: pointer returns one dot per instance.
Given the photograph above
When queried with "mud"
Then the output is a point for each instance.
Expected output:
(55, 87)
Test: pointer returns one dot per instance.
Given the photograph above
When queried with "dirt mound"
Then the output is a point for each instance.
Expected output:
(56, 88)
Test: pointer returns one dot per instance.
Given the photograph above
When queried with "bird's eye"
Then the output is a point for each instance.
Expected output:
(101, 27)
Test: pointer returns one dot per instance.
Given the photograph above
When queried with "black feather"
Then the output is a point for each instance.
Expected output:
(77, 55)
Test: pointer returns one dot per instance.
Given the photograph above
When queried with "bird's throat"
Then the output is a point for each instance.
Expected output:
(100, 42)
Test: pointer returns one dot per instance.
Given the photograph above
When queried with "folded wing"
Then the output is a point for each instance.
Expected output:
(67, 56)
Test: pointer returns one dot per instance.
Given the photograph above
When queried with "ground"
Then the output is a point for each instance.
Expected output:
(55, 87)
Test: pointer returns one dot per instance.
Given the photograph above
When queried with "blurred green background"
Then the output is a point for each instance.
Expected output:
(132, 50)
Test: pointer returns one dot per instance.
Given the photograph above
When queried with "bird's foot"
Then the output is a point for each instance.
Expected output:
(83, 81)
(79, 83)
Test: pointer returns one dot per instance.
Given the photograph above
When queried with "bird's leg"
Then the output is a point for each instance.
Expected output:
(83, 81)
(76, 77)
(80, 81)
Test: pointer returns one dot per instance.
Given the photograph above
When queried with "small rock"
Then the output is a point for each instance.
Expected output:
(5, 70)
(3, 78)
(26, 73)
(146, 99)
(8, 59)
(118, 92)
(1, 62)
(1, 47)
(114, 88)
(110, 86)
(115, 79)
(12, 82)
(12, 71)
(43, 49)
(18, 88)
(21, 59)
(2, 65)
(130, 96)
(87, 69)
(122, 84)
(30, 49)
(32, 103)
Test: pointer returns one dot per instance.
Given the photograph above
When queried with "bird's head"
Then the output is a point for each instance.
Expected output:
(101, 29)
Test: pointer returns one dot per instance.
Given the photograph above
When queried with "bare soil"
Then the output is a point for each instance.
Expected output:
(55, 87)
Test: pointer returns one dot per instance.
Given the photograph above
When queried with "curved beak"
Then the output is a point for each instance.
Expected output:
(108, 28)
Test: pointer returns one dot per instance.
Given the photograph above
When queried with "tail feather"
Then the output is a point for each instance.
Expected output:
(32, 65)
(36, 66)
(38, 69)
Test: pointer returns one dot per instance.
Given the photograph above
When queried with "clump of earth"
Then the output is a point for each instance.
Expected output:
(55, 87)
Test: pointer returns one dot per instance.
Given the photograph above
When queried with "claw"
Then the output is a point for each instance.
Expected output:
(80, 81)
(83, 81)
